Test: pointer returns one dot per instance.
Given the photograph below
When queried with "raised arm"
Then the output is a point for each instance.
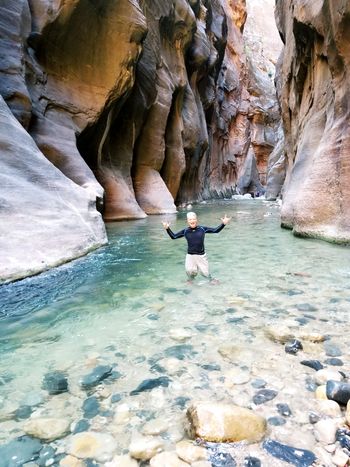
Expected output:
(171, 234)
(225, 220)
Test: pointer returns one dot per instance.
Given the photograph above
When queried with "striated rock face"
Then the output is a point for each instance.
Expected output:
(45, 218)
(314, 78)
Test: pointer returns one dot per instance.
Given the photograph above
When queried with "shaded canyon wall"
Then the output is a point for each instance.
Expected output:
(313, 84)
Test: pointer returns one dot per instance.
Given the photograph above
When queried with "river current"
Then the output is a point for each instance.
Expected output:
(128, 305)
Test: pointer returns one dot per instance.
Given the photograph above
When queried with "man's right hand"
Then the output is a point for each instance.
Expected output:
(166, 224)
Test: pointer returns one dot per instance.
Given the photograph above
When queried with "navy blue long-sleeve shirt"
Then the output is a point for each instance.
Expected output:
(195, 237)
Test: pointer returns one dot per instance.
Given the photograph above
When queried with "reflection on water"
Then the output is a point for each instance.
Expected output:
(128, 303)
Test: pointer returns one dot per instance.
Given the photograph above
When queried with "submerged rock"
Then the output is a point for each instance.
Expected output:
(91, 407)
(168, 459)
(222, 459)
(297, 457)
(283, 409)
(338, 391)
(314, 364)
(145, 447)
(149, 384)
(55, 382)
(180, 352)
(252, 462)
(97, 375)
(19, 451)
(334, 361)
(47, 429)
(264, 395)
(92, 445)
(293, 347)
(220, 422)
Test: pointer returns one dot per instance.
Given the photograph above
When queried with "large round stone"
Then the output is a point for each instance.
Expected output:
(219, 422)
(47, 429)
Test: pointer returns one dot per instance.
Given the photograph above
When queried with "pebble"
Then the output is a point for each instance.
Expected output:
(189, 452)
(23, 449)
(47, 429)
(80, 426)
(283, 409)
(314, 364)
(338, 391)
(334, 361)
(264, 395)
(279, 334)
(276, 421)
(55, 382)
(221, 459)
(343, 437)
(92, 445)
(23, 412)
(155, 427)
(116, 398)
(293, 347)
(332, 350)
(347, 413)
(295, 456)
(47, 456)
(182, 401)
(328, 408)
(167, 459)
(219, 422)
(325, 430)
(258, 383)
(144, 447)
(180, 334)
(320, 393)
(306, 307)
(252, 462)
(97, 375)
(149, 384)
(91, 407)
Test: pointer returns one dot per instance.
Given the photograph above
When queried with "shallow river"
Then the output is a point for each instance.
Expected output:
(128, 305)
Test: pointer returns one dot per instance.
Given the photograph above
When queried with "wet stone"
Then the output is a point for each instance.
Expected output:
(81, 425)
(343, 437)
(332, 350)
(310, 384)
(231, 310)
(139, 359)
(338, 391)
(156, 368)
(264, 395)
(182, 401)
(46, 455)
(149, 384)
(314, 364)
(116, 398)
(153, 317)
(334, 361)
(91, 407)
(252, 462)
(314, 418)
(180, 352)
(97, 375)
(297, 457)
(120, 354)
(234, 320)
(276, 421)
(23, 412)
(55, 382)
(283, 409)
(293, 347)
(221, 459)
(306, 307)
(23, 449)
(302, 321)
(211, 367)
(258, 383)
(292, 292)
(202, 327)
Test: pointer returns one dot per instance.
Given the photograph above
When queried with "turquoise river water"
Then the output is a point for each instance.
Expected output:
(128, 305)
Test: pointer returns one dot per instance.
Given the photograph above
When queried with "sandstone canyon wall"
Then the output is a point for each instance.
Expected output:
(131, 107)
(313, 84)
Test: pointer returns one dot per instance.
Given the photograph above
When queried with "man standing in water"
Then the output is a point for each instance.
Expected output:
(196, 258)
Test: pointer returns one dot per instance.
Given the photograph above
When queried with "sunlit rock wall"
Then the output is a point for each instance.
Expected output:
(314, 83)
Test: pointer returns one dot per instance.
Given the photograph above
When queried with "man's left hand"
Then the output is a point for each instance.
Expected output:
(225, 220)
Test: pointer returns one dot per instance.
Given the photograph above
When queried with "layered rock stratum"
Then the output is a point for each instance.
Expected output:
(136, 105)
(313, 86)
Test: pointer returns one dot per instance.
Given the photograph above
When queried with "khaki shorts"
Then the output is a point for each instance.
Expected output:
(195, 263)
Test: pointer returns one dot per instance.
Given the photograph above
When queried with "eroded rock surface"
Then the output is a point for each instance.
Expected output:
(314, 79)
